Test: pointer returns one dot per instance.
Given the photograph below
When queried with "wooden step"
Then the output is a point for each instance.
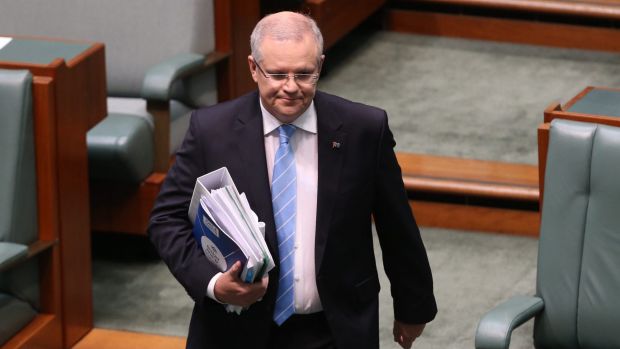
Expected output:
(471, 25)
(468, 194)
(99, 338)
(467, 177)
(601, 9)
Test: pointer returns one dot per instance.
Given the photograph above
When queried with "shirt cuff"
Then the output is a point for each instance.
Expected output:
(211, 287)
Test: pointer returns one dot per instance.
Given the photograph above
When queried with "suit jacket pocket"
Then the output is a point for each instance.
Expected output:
(367, 289)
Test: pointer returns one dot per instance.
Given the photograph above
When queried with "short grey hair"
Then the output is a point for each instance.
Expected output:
(283, 26)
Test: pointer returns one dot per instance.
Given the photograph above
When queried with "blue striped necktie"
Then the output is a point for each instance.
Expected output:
(283, 199)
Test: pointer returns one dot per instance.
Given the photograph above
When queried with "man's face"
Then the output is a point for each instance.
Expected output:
(287, 99)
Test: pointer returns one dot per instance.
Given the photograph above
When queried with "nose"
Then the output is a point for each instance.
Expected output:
(290, 85)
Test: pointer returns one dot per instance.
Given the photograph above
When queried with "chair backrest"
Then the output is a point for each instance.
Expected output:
(137, 33)
(18, 208)
(579, 248)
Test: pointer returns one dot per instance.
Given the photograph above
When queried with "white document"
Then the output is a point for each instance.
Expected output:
(247, 226)
(4, 41)
(258, 230)
(212, 180)
(233, 222)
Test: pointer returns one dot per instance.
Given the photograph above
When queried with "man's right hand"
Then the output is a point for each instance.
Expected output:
(229, 288)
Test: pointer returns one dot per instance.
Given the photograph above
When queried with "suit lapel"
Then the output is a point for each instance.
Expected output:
(251, 148)
(331, 140)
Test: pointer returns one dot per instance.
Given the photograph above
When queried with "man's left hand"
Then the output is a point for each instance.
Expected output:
(405, 334)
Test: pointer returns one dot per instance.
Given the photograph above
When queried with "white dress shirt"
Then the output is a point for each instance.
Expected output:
(305, 146)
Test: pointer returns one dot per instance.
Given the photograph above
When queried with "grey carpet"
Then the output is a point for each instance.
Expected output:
(472, 272)
(133, 289)
(464, 98)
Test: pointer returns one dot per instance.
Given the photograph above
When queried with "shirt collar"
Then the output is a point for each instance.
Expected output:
(306, 121)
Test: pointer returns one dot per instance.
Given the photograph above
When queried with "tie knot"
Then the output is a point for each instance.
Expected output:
(286, 132)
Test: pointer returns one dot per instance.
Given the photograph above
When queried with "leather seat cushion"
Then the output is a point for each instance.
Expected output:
(14, 315)
(120, 148)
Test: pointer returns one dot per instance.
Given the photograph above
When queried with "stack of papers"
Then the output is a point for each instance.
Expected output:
(227, 229)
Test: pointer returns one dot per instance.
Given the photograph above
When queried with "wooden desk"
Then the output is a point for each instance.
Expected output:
(599, 105)
(69, 96)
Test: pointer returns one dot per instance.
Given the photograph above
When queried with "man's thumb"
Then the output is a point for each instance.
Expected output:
(234, 270)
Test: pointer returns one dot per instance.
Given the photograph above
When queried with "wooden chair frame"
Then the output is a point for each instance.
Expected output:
(45, 330)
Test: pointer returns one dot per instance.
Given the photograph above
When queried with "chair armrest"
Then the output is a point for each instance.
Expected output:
(157, 89)
(157, 84)
(12, 254)
(496, 326)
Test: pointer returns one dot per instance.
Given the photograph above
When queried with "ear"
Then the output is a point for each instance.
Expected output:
(253, 70)
(322, 60)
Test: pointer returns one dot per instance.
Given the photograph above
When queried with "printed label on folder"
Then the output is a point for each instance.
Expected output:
(212, 253)
(216, 245)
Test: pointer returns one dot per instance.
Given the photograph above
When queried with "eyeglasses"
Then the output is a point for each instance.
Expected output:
(283, 78)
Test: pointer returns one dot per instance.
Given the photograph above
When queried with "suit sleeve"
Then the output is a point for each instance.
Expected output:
(170, 230)
(404, 256)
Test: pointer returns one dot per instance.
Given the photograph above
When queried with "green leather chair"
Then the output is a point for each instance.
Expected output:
(160, 64)
(19, 290)
(159, 57)
(577, 301)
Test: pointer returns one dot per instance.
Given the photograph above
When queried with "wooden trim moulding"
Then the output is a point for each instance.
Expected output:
(504, 30)
(44, 89)
(555, 110)
(476, 218)
(579, 8)
(543, 146)
(466, 188)
(42, 332)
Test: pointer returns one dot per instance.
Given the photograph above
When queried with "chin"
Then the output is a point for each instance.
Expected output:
(287, 118)
(289, 114)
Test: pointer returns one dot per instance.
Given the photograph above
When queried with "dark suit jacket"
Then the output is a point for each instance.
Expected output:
(356, 180)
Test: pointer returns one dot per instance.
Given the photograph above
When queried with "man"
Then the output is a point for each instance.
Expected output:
(315, 167)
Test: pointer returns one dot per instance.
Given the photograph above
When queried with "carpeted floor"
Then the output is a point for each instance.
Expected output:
(134, 291)
(464, 98)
